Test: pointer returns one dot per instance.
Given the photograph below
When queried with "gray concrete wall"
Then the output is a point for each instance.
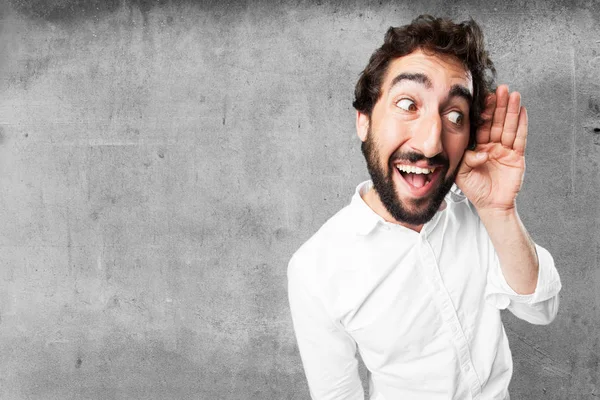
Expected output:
(161, 161)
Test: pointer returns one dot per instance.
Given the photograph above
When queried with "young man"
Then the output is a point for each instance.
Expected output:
(411, 273)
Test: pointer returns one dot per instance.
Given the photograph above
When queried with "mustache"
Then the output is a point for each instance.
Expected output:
(413, 157)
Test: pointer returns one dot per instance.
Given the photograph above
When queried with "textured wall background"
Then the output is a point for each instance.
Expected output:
(161, 161)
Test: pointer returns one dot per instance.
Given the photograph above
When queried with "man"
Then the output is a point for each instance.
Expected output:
(413, 274)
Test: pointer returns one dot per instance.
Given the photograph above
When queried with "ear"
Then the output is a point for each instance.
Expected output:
(362, 125)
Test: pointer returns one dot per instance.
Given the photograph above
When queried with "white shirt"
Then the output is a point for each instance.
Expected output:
(422, 308)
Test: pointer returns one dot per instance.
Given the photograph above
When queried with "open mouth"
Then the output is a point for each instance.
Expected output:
(419, 181)
(415, 176)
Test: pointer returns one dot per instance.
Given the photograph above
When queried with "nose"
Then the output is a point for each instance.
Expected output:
(428, 138)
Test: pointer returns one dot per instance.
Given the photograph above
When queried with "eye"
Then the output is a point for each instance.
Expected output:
(455, 117)
(407, 105)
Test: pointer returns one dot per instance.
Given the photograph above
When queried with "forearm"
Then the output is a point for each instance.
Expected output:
(515, 249)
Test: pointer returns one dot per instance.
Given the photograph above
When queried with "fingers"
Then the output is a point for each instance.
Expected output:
(483, 133)
(499, 113)
(511, 121)
(521, 139)
(503, 121)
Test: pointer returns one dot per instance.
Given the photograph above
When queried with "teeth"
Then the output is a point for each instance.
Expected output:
(414, 170)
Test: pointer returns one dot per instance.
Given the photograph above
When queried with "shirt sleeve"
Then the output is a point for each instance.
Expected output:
(328, 353)
(538, 308)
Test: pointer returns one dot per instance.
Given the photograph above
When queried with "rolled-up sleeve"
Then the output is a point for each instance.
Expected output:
(328, 353)
(541, 306)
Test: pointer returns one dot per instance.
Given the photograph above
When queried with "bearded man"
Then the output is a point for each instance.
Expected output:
(414, 271)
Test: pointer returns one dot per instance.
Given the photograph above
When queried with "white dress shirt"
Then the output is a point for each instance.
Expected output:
(423, 309)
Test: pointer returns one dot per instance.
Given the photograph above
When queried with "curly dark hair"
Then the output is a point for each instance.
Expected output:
(438, 35)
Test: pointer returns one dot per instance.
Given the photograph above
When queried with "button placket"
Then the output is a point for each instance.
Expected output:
(449, 316)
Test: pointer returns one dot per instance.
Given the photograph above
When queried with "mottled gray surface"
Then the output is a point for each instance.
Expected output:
(160, 161)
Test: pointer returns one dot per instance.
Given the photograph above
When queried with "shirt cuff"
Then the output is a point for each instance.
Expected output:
(499, 292)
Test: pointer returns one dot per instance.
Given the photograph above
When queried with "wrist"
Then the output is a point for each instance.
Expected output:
(497, 214)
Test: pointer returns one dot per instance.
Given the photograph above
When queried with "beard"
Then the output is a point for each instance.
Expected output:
(411, 211)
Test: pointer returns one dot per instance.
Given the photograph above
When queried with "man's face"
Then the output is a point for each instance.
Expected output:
(417, 134)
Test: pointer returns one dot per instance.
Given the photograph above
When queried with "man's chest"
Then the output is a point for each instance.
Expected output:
(410, 300)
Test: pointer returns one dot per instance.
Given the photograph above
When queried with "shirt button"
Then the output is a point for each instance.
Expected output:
(467, 368)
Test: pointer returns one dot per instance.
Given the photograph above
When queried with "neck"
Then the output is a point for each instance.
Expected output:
(374, 202)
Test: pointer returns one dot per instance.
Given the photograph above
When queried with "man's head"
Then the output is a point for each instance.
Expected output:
(419, 103)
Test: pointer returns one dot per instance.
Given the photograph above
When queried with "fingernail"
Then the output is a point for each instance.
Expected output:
(481, 155)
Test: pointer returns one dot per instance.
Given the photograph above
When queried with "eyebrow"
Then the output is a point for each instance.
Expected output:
(461, 91)
(455, 90)
(418, 77)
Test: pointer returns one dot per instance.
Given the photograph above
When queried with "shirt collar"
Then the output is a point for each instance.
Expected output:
(365, 219)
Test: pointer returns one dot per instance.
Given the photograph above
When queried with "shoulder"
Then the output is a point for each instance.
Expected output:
(324, 250)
